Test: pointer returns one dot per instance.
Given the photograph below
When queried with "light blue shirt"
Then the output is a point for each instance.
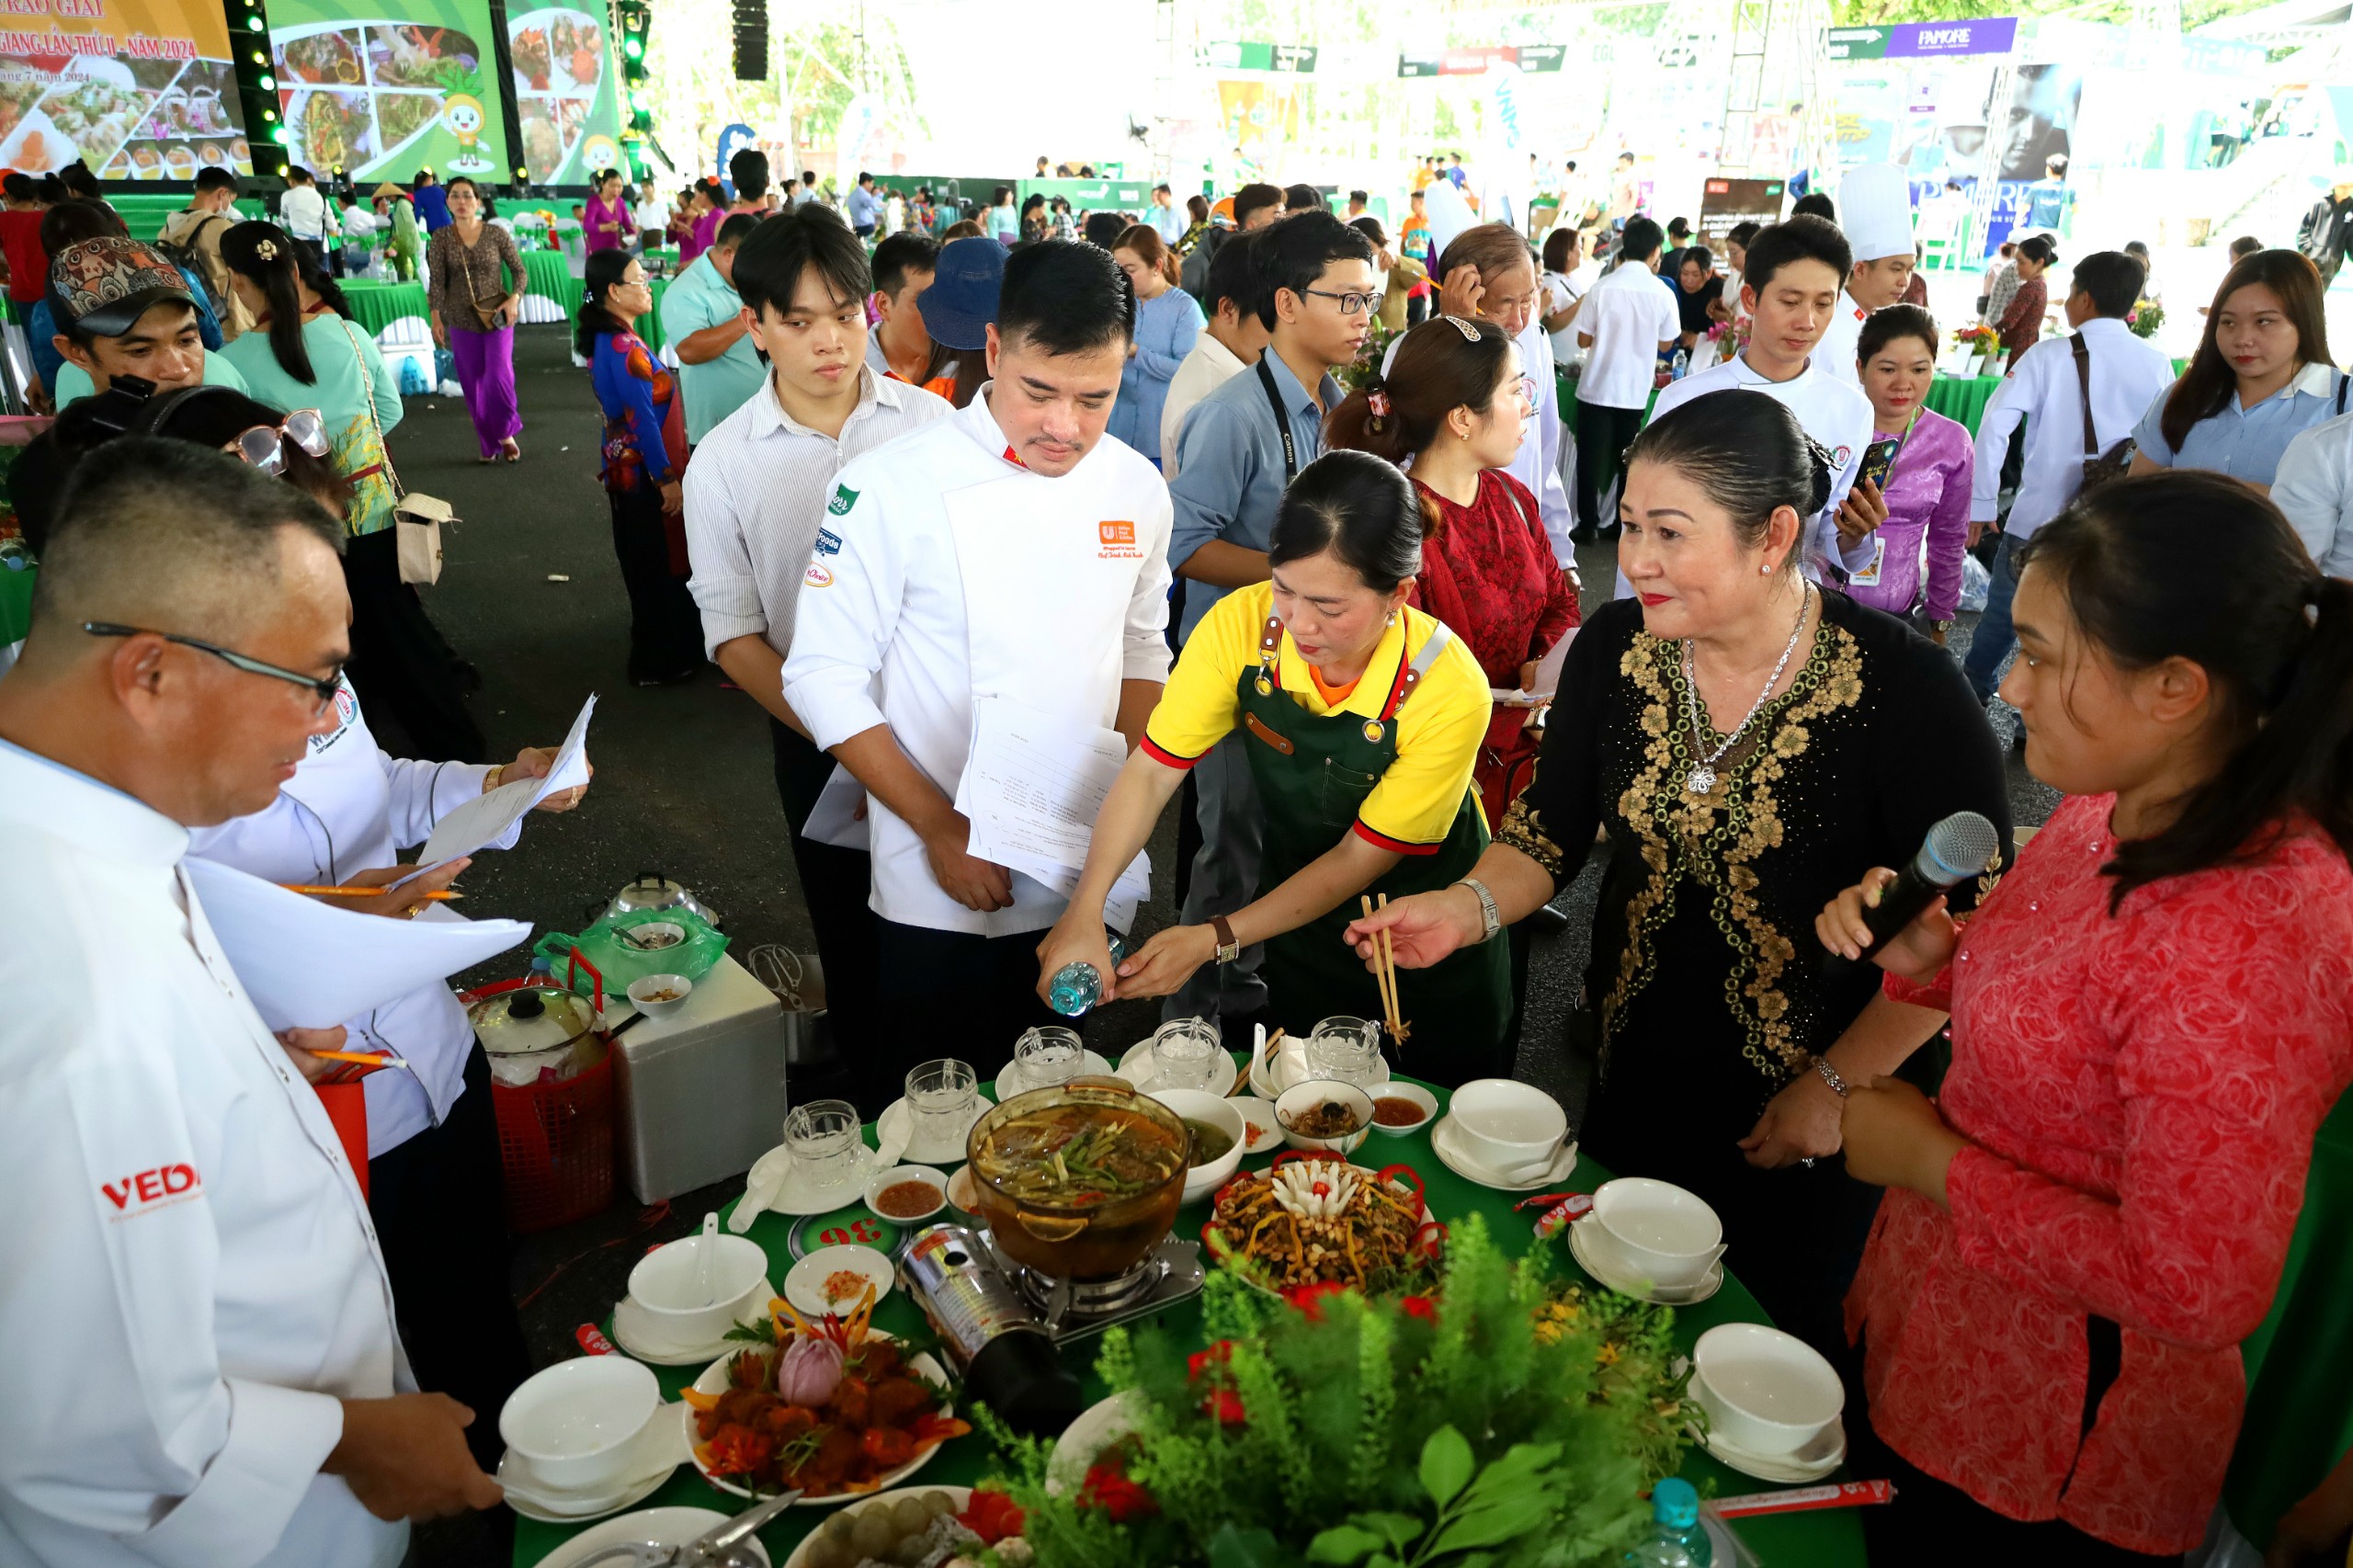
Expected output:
(865, 207)
(697, 299)
(1169, 223)
(1230, 468)
(2246, 443)
(1166, 325)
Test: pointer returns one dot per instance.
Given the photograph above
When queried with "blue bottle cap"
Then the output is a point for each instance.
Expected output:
(1673, 1502)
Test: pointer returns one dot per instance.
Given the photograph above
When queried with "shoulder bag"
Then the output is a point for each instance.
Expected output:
(2100, 468)
(416, 520)
(486, 316)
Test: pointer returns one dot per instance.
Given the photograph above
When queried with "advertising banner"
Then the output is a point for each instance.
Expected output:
(567, 94)
(383, 97)
(1914, 40)
(138, 90)
(1258, 113)
(1726, 204)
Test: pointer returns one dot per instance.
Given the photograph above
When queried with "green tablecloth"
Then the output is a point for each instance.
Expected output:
(1830, 1539)
(549, 276)
(1962, 399)
(2300, 1363)
(377, 305)
(648, 325)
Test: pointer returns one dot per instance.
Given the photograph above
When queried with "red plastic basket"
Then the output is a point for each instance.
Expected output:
(555, 1139)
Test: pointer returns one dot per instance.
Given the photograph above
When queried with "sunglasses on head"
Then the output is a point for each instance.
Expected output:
(264, 446)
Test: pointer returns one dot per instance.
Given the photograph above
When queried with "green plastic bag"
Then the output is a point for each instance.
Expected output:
(623, 964)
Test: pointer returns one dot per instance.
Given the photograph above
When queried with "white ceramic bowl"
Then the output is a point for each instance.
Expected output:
(1504, 1125)
(898, 1173)
(663, 1283)
(1656, 1230)
(1765, 1391)
(642, 993)
(577, 1421)
(1216, 1111)
(1301, 1099)
(1397, 1089)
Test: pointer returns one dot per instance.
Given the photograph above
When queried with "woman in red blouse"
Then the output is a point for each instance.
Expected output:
(1455, 406)
(2151, 1016)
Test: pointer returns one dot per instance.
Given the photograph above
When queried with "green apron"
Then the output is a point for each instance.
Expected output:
(1313, 773)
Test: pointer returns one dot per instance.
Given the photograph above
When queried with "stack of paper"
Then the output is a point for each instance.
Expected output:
(1033, 788)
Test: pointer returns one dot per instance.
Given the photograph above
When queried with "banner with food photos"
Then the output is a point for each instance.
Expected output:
(567, 94)
(137, 89)
(381, 96)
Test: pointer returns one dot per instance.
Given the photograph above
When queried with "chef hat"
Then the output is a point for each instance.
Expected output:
(1875, 209)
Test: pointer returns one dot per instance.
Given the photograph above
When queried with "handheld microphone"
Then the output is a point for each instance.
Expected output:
(1956, 849)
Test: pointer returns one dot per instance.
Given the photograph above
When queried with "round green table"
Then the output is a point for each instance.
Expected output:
(1963, 398)
(1827, 1539)
(377, 305)
(548, 274)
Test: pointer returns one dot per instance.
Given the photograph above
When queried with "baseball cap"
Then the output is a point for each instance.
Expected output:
(102, 287)
(962, 301)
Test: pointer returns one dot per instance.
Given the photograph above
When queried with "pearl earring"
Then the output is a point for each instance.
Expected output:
(1393, 617)
(1766, 570)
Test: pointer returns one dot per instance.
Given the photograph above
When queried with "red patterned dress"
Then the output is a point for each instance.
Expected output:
(2141, 1092)
(1489, 575)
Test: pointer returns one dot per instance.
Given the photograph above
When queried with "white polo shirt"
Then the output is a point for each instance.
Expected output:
(2315, 488)
(1628, 314)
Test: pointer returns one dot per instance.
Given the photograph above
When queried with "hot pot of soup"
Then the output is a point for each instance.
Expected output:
(1081, 1180)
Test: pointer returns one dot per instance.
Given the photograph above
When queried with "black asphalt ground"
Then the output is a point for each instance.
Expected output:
(683, 787)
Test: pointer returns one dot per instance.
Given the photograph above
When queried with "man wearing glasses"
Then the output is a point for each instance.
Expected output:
(219, 1378)
(1241, 448)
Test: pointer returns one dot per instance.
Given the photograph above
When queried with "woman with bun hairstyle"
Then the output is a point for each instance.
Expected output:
(1364, 717)
(1453, 411)
(1747, 741)
(2151, 1017)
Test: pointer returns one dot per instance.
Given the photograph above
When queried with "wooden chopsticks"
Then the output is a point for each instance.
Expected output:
(1384, 949)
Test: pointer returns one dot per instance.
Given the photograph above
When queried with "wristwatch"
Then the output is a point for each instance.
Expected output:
(1228, 948)
(1492, 916)
(1830, 1076)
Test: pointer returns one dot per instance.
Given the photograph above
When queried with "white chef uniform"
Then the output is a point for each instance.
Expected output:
(188, 1280)
(1875, 214)
(1837, 414)
(1536, 464)
(351, 807)
(959, 575)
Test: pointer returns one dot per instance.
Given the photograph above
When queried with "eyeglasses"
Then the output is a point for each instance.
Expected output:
(264, 446)
(321, 689)
(1351, 303)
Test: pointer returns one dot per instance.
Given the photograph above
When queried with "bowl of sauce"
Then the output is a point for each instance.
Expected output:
(904, 1194)
(1399, 1107)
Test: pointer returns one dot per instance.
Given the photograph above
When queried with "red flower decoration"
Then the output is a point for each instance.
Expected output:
(1309, 1298)
(1420, 1307)
(1108, 1487)
(1226, 1406)
(1218, 1354)
(1222, 1403)
(992, 1516)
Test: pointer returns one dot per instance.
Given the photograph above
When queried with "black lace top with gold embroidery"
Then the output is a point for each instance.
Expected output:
(1705, 971)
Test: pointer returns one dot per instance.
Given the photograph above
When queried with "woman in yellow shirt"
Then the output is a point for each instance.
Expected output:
(1365, 717)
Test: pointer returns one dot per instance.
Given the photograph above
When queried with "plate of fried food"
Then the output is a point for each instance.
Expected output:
(1316, 1220)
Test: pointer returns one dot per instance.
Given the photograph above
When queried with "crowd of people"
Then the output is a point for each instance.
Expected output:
(1283, 506)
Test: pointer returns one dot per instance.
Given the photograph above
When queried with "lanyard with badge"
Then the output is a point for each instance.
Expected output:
(1879, 474)
(1282, 421)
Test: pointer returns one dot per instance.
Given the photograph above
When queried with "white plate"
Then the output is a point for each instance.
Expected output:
(657, 1441)
(805, 1285)
(944, 1153)
(635, 1331)
(1689, 1296)
(1809, 1464)
(1451, 1154)
(963, 1496)
(714, 1381)
(1098, 1427)
(1290, 1071)
(1012, 1082)
(660, 1527)
(1137, 1067)
(1261, 1114)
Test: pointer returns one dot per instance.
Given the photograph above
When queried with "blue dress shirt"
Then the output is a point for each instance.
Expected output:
(2246, 443)
(1230, 468)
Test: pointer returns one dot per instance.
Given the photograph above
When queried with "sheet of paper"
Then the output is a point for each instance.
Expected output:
(483, 820)
(1547, 678)
(307, 964)
(1033, 787)
(838, 818)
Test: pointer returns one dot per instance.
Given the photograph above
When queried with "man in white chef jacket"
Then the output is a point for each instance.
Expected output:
(203, 1368)
(1012, 550)
(1875, 212)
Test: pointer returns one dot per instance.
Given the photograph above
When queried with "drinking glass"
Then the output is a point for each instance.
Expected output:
(1347, 1050)
(1047, 1056)
(1184, 1053)
(942, 1097)
(823, 1136)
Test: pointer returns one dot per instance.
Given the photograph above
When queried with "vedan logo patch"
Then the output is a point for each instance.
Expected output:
(844, 499)
(150, 1189)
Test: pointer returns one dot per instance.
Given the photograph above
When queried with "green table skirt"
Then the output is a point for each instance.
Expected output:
(2300, 1363)
(1827, 1539)
(549, 275)
(1963, 398)
(377, 305)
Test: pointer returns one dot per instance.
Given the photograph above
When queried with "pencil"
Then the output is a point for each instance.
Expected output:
(362, 1057)
(362, 892)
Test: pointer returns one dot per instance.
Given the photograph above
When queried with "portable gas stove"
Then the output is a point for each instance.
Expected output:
(1068, 1309)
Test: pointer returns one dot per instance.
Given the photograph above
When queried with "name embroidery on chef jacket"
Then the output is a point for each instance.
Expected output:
(148, 1190)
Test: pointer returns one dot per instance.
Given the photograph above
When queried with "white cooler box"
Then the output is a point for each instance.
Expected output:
(702, 1090)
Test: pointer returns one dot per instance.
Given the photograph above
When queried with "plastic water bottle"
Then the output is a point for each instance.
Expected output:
(1676, 1540)
(1078, 986)
(1676, 367)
